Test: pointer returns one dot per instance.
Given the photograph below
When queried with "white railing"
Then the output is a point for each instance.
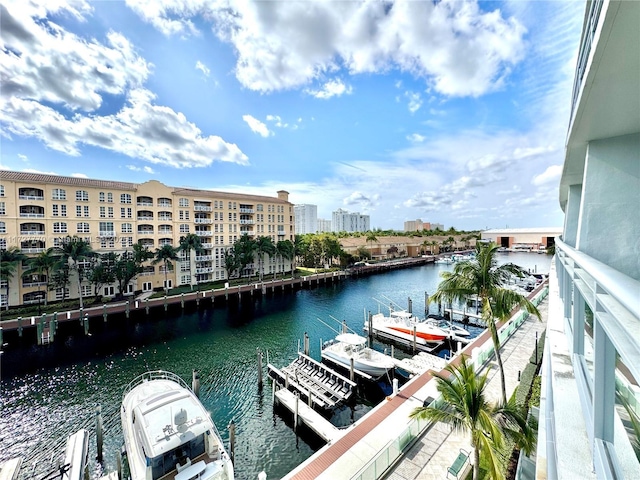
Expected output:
(107, 233)
(32, 232)
(164, 205)
(202, 208)
(203, 220)
(204, 270)
(207, 245)
(32, 250)
(32, 215)
(246, 210)
(204, 258)
(166, 218)
(246, 222)
(144, 218)
(147, 274)
(144, 204)
(201, 233)
(145, 232)
(33, 284)
(31, 197)
(164, 230)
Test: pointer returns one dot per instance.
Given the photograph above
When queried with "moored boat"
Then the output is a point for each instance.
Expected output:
(347, 346)
(168, 433)
(402, 324)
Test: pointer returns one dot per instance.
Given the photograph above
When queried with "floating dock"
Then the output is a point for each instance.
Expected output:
(303, 413)
(320, 385)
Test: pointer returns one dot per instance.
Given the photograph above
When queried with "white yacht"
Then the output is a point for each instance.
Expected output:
(168, 433)
(349, 345)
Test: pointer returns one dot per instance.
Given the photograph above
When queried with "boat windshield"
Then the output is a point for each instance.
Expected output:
(165, 463)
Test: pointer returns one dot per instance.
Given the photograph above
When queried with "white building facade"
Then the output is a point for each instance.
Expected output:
(324, 225)
(591, 368)
(306, 219)
(344, 221)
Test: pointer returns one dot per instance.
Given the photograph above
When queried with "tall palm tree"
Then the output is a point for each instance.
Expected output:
(188, 243)
(9, 261)
(42, 264)
(483, 277)
(165, 254)
(371, 237)
(264, 245)
(74, 251)
(284, 249)
(464, 406)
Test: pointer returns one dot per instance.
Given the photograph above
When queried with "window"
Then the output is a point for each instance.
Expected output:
(3, 227)
(107, 242)
(83, 227)
(58, 194)
(59, 227)
(86, 210)
(86, 290)
(184, 214)
(125, 212)
(101, 197)
(1, 190)
(125, 198)
(126, 242)
(3, 209)
(55, 210)
(127, 228)
(106, 227)
(184, 202)
(230, 216)
(62, 293)
(147, 286)
(110, 212)
(184, 228)
(110, 197)
(184, 279)
(103, 212)
(82, 196)
(108, 291)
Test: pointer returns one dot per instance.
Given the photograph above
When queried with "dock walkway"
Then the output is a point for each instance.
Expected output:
(435, 450)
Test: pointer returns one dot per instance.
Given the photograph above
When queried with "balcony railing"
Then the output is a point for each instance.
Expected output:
(32, 215)
(246, 210)
(145, 232)
(585, 49)
(164, 205)
(145, 218)
(203, 220)
(33, 284)
(144, 204)
(32, 250)
(204, 258)
(246, 222)
(32, 232)
(107, 233)
(202, 208)
(204, 270)
(203, 234)
(207, 245)
(31, 197)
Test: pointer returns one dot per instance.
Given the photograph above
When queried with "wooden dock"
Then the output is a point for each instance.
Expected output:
(312, 419)
(320, 385)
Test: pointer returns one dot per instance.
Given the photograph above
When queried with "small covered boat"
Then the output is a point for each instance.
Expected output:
(347, 346)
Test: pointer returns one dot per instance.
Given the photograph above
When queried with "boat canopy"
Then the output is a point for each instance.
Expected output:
(351, 339)
(401, 314)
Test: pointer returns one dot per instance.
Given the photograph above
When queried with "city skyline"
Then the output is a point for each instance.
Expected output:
(344, 105)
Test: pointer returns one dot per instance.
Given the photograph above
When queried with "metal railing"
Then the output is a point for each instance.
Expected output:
(32, 215)
(31, 197)
(202, 208)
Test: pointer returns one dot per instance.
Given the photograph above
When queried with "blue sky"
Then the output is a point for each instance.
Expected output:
(453, 112)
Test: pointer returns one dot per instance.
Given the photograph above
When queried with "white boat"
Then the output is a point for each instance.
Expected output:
(401, 324)
(168, 433)
(449, 327)
(349, 345)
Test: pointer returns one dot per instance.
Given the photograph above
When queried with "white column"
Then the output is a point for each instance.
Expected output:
(604, 383)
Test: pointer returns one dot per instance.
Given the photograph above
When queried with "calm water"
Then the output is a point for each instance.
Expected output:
(49, 392)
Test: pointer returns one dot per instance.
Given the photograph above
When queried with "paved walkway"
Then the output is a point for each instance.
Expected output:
(436, 450)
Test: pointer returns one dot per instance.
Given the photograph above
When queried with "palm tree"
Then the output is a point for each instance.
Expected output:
(284, 249)
(74, 251)
(484, 278)
(165, 254)
(42, 264)
(188, 243)
(464, 406)
(9, 261)
(371, 237)
(263, 245)
(424, 245)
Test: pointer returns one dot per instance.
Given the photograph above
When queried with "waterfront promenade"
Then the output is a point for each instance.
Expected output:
(438, 447)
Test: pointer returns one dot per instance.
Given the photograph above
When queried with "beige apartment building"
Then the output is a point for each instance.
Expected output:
(37, 211)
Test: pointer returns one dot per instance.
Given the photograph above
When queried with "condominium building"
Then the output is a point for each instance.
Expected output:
(413, 226)
(591, 368)
(343, 221)
(306, 217)
(324, 225)
(37, 211)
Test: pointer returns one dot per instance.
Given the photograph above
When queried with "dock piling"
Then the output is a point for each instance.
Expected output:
(85, 321)
(426, 304)
(295, 413)
(126, 308)
(259, 355)
(306, 343)
(195, 382)
(410, 304)
(99, 433)
(232, 440)
(182, 300)
(20, 326)
(165, 302)
(352, 373)
(414, 338)
(146, 305)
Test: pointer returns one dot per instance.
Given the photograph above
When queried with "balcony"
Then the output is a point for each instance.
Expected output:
(246, 222)
(145, 232)
(165, 231)
(144, 217)
(203, 220)
(33, 284)
(27, 211)
(246, 210)
(202, 208)
(32, 250)
(32, 232)
(207, 245)
(204, 270)
(164, 203)
(204, 258)
(107, 233)
(202, 233)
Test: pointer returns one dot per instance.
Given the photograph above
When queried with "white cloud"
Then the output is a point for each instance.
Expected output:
(203, 68)
(415, 101)
(416, 138)
(551, 175)
(79, 175)
(24, 158)
(51, 76)
(145, 169)
(332, 88)
(33, 170)
(456, 47)
(257, 126)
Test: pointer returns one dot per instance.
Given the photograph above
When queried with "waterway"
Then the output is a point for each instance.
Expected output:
(50, 392)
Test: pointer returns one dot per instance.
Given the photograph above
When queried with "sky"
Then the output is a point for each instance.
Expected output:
(453, 112)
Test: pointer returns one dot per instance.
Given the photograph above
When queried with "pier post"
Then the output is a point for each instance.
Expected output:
(146, 305)
(295, 413)
(40, 329)
(213, 297)
(393, 352)
(55, 320)
(426, 304)
(182, 300)
(286, 380)
(414, 339)
(232, 440)
(395, 386)
(273, 392)
(165, 303)
(126, 309)
(52, 329)
(99, 433)
(197, 301)
(81, 315)
(19, 326)
(86, 323)
(410, 305)
(119, 465)
(310, 399)
(344, 326)
(459, 347)
(104, 312)
(1, 342)
(259, 355)
(195, 382)
(352, 373)
(306, 344)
